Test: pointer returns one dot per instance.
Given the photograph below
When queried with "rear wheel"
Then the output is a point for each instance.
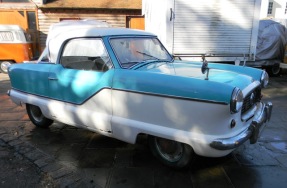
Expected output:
(4, 66)
(171, 153)
(36, 116)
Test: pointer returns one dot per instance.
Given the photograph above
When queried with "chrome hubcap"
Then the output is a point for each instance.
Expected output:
(36, 113)
(168, 149)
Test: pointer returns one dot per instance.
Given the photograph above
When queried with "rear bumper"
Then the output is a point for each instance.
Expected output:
(261, 116)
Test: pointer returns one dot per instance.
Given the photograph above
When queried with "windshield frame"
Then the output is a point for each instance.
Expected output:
(169, 59)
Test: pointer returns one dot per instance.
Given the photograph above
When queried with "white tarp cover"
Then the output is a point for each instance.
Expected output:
(272, 38)
(67, 27)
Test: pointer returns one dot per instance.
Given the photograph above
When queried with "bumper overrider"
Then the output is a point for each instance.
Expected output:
(261, 116)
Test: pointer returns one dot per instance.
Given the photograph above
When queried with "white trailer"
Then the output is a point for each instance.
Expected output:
(222, 30)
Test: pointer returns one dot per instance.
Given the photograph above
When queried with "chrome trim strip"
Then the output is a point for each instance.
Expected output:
(131, 91)
(172, 96)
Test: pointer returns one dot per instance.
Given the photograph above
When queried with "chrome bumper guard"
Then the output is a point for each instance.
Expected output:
(261, 116)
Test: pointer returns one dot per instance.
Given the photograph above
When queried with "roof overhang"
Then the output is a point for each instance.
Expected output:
(93, 4)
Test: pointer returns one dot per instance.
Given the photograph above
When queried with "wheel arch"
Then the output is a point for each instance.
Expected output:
(129, 131)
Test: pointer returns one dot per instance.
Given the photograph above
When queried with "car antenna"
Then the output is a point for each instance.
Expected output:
(204, 67)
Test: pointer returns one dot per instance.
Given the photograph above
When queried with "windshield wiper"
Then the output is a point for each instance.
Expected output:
(139, 65)
(130, 64)
(143, 53)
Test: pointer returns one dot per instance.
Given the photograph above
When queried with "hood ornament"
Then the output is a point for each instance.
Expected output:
(204, 67)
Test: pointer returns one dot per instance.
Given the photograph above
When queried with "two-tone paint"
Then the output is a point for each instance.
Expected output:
(171, 100)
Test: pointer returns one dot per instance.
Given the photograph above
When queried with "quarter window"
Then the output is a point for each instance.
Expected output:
(86, 54)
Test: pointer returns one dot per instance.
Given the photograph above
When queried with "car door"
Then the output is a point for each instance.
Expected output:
(81, 83)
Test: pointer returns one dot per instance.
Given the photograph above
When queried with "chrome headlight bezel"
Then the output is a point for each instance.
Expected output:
(236, 102)
(264, 80)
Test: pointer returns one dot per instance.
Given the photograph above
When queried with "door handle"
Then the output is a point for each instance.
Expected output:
(52, 78)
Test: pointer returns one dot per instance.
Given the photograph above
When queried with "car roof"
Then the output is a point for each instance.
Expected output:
(62, 31)
(93, 32)
(75, 28)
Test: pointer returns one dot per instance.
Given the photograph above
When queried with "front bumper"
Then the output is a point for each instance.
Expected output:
(261, 116)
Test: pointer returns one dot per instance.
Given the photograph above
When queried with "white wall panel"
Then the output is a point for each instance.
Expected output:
(215, 27)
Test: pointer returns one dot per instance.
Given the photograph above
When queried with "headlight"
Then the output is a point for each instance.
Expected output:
(236, 100)
(264, 79)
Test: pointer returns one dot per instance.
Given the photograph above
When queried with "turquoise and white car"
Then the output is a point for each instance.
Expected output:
(123, 83)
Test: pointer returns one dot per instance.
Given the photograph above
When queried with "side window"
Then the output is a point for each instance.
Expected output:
(86, 54)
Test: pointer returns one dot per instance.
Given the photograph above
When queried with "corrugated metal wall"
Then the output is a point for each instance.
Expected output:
(222, 26)
(46, 17)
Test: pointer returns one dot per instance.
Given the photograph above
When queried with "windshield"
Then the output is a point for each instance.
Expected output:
(132, 51)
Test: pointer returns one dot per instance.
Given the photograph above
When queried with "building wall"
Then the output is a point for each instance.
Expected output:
(46, 17)
(279, 9)
(9, 14)
(264, 9)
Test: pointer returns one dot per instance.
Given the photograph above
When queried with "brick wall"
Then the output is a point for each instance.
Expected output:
(46, 17)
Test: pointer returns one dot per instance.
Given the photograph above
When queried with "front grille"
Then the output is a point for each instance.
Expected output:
(251, 99)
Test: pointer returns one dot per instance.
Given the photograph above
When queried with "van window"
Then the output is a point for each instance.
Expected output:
(6, 36)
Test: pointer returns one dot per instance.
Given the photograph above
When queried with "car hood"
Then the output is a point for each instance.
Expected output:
(193, 70)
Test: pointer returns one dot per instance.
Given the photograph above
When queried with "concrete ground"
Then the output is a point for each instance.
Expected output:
(64, 156)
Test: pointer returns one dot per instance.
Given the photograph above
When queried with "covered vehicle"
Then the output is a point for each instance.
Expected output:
(122, 83)
(270, 49)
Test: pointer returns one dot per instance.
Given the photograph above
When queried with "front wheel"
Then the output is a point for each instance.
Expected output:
(36, 116)
(273, 70)
(4, 66)
(171, 153)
